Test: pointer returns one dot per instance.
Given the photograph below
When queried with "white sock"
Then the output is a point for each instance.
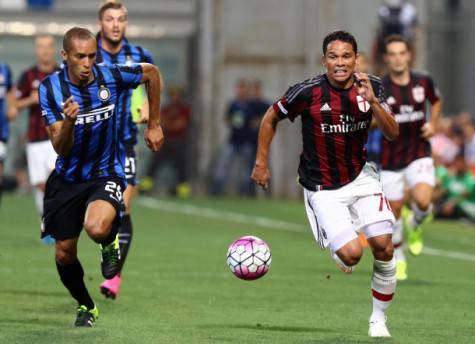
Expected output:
(419, 215)
(383, 286)
(39, 195)
(398, 240)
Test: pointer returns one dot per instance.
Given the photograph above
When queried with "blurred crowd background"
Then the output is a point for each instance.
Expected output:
(224, 62)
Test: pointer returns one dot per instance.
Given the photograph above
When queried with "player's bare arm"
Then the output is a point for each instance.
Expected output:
(428, 129)
(154, 85)
(61, 133)
(31, 100)
(261, 173)
(12, 110)
(386, 123)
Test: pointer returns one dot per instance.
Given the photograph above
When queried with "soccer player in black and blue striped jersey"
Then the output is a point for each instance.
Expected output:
(113, 48)
(8, 112)
(80, 105)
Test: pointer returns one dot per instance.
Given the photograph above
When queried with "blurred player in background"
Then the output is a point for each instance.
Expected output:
(114, 48)
(85, 190)
(39, 151)
(342, 192)
(176, 119)
(407, 162)
(8, 112)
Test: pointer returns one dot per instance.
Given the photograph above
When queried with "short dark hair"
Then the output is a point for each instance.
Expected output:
(395, 38)
(340, 35)
(116, 5)
(76, 33)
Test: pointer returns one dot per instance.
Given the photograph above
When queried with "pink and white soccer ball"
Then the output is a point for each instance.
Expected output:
(249, 257)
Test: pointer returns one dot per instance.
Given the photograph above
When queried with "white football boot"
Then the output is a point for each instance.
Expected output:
(377, 328)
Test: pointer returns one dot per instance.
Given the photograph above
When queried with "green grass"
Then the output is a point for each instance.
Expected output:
(177, 287)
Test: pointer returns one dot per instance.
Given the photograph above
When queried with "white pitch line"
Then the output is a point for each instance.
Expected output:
(210, 213)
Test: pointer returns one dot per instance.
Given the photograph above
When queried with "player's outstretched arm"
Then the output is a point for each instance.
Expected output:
(386, 123)
(260, 172)
(61, 133)
(154, 85)
(428, 129)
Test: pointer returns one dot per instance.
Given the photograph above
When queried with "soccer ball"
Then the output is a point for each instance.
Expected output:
(249, 257)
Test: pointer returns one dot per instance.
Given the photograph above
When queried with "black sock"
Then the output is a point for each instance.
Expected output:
(72, 277)
(125, 237)
(112, 234)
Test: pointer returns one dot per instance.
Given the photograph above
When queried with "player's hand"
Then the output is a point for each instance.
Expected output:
(427, 131)
(154, 137)
(364, 88)
(143, 111)
(71, 109)
(261, 176)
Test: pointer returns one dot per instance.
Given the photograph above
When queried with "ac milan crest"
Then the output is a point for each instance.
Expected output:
(363, 104)
(418, 94)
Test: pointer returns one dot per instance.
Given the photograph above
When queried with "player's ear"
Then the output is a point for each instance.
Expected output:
(64, 55)
(322, 60)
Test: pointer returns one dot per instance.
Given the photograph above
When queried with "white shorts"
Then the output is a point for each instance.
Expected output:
(3, 151)
(419, 171)
(336, 215)
(41, 160)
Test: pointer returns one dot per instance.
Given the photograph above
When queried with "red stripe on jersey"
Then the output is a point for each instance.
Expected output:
(336, 115)
(319, 136)
(382, 297)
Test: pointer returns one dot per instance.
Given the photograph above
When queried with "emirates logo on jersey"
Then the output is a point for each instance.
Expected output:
(418, 93)
(348, 124)
(363, 104)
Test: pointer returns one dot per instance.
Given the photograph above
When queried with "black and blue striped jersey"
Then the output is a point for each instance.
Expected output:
(97, 151)
(128, 54)
(5, 87)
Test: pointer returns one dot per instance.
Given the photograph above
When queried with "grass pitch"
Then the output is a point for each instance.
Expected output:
(177, 288)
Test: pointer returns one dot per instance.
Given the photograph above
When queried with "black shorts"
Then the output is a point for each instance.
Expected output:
(130, 164)
(65, 203)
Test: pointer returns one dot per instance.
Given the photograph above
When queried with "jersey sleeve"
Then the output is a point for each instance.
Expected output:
(432, 91)
(49, 107)
(23, 87)
(293, 102)
(130, 76)
(147, 57)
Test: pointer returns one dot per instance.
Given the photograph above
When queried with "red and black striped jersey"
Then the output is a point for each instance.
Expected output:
(335, 125)
(28, 83)
(409, 104)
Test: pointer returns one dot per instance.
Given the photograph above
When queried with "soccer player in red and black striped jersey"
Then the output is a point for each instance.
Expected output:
(406, 163)
(342, 193)
(39, 150)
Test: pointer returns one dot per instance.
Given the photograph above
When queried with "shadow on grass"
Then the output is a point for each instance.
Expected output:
(29, 321)
(261, 327)
(34, 292)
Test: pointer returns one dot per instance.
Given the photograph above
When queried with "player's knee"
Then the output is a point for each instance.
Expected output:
(350, 256)
(96, 228)
(383, 251)
(423, 203)
(65, 257)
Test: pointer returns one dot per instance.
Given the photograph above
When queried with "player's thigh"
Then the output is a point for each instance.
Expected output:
(420, 177)
(371, 209)
(393, 184)
(329, 218)
(64, 208)
(104, 205)
(129, 194)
